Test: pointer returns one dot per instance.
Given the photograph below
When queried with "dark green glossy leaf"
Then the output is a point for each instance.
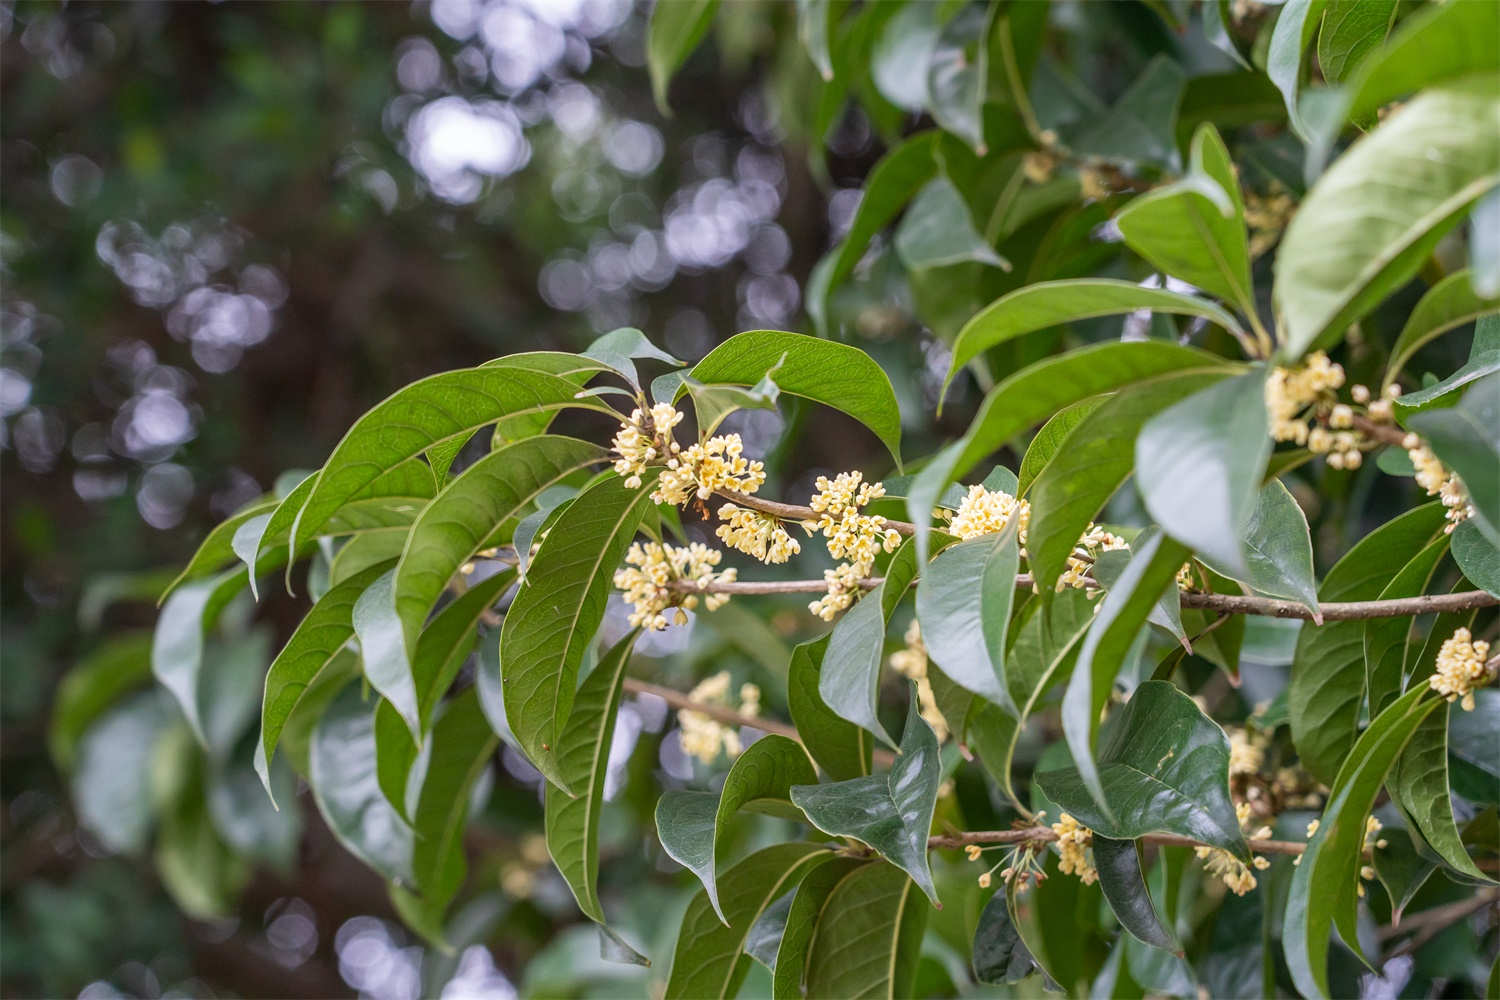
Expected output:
(1477, 557)
(1386, 638)
(462, 746)
(1419, 783)
(802, 920)
(849, 679)
(558, 610)
(1277, 547)
(1000, 953)
(869, 936)
(1164, 767)
(1119, 866)
(1401, 868)
(342, 771)
(839, 746)
(964, 600)
(764, 939)
(1047, 442)
(937, 231)
(1141, 125)
(891, 812)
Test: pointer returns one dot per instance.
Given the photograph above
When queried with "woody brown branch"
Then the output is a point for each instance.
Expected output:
(1044, 834)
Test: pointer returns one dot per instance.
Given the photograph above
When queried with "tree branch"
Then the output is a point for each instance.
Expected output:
(1430, 923)
(795, 512)
(1044, 834)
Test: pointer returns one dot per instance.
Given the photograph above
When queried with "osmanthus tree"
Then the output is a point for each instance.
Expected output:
(1063, 773)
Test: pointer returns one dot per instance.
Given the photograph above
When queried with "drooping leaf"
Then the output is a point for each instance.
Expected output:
(868, 937)
(891, 812)
(112, 775)
(1322, 895)
(833, 374)
(1142, 124)
(383, 647)
(815, 28)
(1467, 438)
(710, 959)
(1419, 783)
(558, 610)
(199, 871)
(177, 644)
(1472, 764)
(676, 28)
(1047, 442)
(1450, 303)
(1327, 684)
(964, 600)
(1277, 547)
(87, 690)
(692, 824)
(572, 824)
(1401, 868)
(448, 639)
(459, 521)
(1386, 638)
(764, 939)
(1370, 221)
(809, 903)
(958, 75)
(1351, 28)
(1125, 889)
(1296, 23)
(1164, 767)
(318, 639)
(1199, 465)
(840, 747)
(1477, 557)
(1048, 304)
(937, 231)
(1000, 954)
(217, 548)
(1435, 45)
(1153, 566)
(902, 53)
(620, 348)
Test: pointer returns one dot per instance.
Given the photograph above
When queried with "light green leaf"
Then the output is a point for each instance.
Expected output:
(710, 959)
(809, 903)
(1430, 397)
(1153, 566)
(1199, 466)
(460, 520)
(676, 28)
(692, 824)
(937, 231)
(1124, 885)
(1323, 884)
(1450, 303)
(1327, 685)
(1351, 29)
(217, 549)
(1047, 443)
(364, 551)
(964, 600)
(1467, 438)
(1386, 638)
(620, 348)
(1031, 396)
(1296, 24)
(1374, 216)
(177, 644)
(1419, 783)
(1047, 304)
(958, 75)
(849, 678)
(572, 824)
(1278, 549)
(840, 747)
(835, 375)
(899, 61)
(558, 610)
(91, 686)
(383, 648)
(462, 745)
(1477, 557)
(891, 812)
(815, 29)
(1194, 229)
(1437, 44)
(869, 936)
(1164, 766)
(318, 639)
(112, 778)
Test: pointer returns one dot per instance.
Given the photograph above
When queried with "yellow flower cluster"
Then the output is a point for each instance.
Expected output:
(756, 534)
(1074, 840)
(1247, 751)
(1233, 872)
(1267, 215)
(1437, 480)
(1371, 842)
(851, 535)
(643, 438)
(1290, 392)
(1461, 668)
(1094, 541)
(704, 468)
(704, 738)
(651, 570)
(912, 662)
(984, 512)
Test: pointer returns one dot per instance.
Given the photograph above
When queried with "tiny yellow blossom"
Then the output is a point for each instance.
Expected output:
(1094, 541)
(643, 438)
(843, 584)
(1247, 751)
(1073, 841)
(985, 512)
(972, 851)
(707, 467)
(1461, 668)
(912, 662)
(653, 568)
(984, 880)
(704, 738)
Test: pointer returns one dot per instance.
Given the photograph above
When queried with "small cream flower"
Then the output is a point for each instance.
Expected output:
(1234, 873)
(1074, 840)
(704, 468)
(1461, 668)
(843, 587)
(1247, 751)
(651, 570)
(644, 438)
(912, 662)
(1094, 541)
(754, 533)
(851, 535)
(704, 738)
(985, 512)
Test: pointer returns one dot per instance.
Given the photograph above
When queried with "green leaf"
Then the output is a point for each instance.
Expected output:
(347, 791)
(937, 231)
(765, 934)
(1434, 396)
(460, 520)
(1386, 638)
(891, 183)
(692, 824)
(815, 29)
(958, 75)
(1194, 229)
(1278, 549)
(1000, 953)
(318, 639)
(619, 349)
(1323, 884)
(217, 549)
(899, 61)
(1199, 466)
(1296, 24)
(809, 903)
(1401, 868)
(199, 871)
(246, 820)
(1164, 767)
(676, 28)
(462, 745)
(1419, 783)
(1327, 685)
(446, 642)
(964, 600)
(1124, 885)
(572, 824)
(891, 812)
(869, 936)
(428, 412)
(396, 753)
(1450, 303)
(1351, 29)
(1092, 464)
(1047, 444)
(1467, 438)
(1435, 45)
(383, 648)
(1047, 304)
(1477, 557)
(1472, 762)
(177, 644)
(1031, 396)
(835, 375)
(95, 683)
(1142, 123)
(710, 959)
(1375, 215)
(840, 747)
(849, 679)
(557, 611)
(112, 777)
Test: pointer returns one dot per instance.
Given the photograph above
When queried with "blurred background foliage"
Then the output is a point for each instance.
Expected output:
(228, 229)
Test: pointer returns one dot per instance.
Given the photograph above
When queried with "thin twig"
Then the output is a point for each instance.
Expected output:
(1430, 923)
(796, 512)
(1044, 834)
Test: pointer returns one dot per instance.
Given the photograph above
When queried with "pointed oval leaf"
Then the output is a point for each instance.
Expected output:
(963, 604)
(1450, 303)
(1277, 547)
(462, 747)
(1125, 889)
(1419, 782)
(177, 643)
(676, 28)
(868, 937)
(841, 748)
(383, 647)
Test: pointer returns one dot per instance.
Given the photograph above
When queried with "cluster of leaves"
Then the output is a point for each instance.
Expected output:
(370, 703)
